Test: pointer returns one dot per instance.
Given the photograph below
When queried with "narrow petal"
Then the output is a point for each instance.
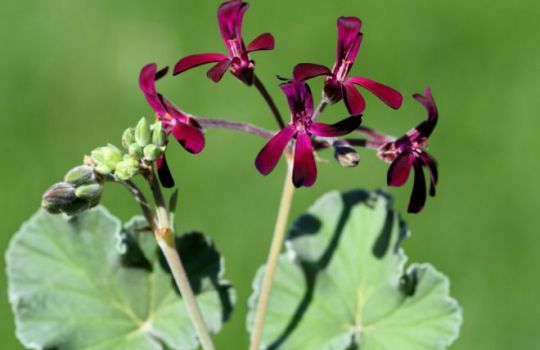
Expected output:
(193, 61)
(164, 173)
(147, 83)
(190, 137)
(353, 99)
(349, 39)
(299, 96)
(388, 95)
(264, 41)
(340, 128)
(425, 128)
(305, 71)
(268, 157)
(216, 72)
(418, 196)
(304, 169)
(432, 167)
(161, 73)
(399, 170)
(230, 16)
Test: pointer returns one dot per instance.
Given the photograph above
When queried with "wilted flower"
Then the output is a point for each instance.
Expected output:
(337, 86)
(185, 129)
(300, 128)
(407, 152)
(230, 16)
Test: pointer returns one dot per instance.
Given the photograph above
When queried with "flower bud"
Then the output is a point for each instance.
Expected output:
(135, 151)
(346, 155)
(128, 137)
(152, 152)
(106, 158)
(80, 175)
(127, 168)
(89, 192)
(159, 137)
(142, 133)
(58, 197)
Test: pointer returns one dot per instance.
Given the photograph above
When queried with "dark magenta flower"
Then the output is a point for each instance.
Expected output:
(185, 130)
(230, 16)
(300, 128)
(406, 153)
(337, 86)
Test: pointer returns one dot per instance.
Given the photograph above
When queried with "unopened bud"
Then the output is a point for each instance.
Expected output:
(128, 137)
(346, 155)
(159, 137)
(106, 158)
(89, 192)
(142, 133)
(58, 196)
(152, 152)
(80, 175)
(135, 151)
(127, 168)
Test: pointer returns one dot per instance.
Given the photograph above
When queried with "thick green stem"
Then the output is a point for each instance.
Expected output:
(272, 260)
(164, 233)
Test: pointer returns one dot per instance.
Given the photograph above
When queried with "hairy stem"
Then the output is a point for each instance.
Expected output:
(272, 260)
(238, 126)
(165, 237)
(141, 199)
(260, 86)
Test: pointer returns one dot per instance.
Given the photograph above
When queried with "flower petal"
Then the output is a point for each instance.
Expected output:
(353, 99)
(425, 128)
(399, 170)
(193, 61)
(304, 169)
(388, 95)
(299, 96)
(230, 15)
(418, 196)
(147, 83)
(349, 39)
(190, 137)
(164, 173)
(268, 157)
(432, 167)
(264, 41)
(216, 72)
(305, 71)
(340, 128)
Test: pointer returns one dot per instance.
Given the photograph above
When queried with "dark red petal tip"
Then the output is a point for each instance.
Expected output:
(264, 41)
(304, 168)
(190, 137)
(418, 196)
(399, 170)
(268, 157)
(164, 173)
(305, 71)
(193, 61)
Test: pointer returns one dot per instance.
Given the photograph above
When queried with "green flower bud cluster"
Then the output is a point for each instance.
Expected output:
(146, 142)
(80, 190)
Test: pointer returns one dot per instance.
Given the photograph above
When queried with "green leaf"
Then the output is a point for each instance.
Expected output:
(88, 283)
(341, 284)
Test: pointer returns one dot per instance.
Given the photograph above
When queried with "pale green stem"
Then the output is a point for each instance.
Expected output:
(164, 233)
(273, 257)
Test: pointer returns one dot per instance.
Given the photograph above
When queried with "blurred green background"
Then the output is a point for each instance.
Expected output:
(68, 82)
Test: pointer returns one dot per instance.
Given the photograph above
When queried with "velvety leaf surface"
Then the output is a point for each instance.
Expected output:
(341, 284)
(88, 283)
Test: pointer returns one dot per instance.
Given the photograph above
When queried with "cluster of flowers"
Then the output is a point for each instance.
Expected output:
(404, 153)
(304, 134)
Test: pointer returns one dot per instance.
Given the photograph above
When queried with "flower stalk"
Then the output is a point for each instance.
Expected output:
(164, 233)
(273, 256)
